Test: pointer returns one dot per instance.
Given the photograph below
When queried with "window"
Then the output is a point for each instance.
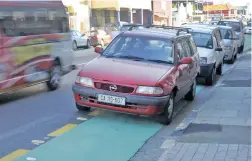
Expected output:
(187, 48)
(78, 33)
(226, 33)
(235, 25)
(23, 21)
(202, 39)
(149, 49)
(217, 36)
(193, 45)
(181, 51)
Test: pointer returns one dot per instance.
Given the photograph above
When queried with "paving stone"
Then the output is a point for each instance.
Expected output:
(233, 121)
(219, 159)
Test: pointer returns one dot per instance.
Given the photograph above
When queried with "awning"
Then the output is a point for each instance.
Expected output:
(215, 7)
(105, 4)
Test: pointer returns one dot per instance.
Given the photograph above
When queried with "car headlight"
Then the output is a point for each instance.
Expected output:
(85, 81)
(149, 90)
(203, 60)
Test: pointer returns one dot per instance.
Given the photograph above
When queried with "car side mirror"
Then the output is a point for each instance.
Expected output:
(98, 49)
(218, 49)
(186, 60)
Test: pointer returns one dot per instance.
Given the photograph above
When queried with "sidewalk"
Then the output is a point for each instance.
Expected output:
(219, 129)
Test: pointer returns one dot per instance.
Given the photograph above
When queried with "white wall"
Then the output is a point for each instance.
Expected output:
(82, 13)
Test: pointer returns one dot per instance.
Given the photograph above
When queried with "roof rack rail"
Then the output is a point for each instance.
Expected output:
(180, 29)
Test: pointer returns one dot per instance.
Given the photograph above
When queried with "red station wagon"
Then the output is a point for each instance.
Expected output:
(143, 72)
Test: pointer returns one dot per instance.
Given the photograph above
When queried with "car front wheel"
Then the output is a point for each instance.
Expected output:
(191, 94)
(211, 78)
(166, 117)
(55, 76)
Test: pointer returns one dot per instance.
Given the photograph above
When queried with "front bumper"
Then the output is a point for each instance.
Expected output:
(228, 54)
(140, 105)
(206, 69)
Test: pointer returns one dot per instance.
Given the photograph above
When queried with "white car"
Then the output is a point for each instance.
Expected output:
(239, 31)
(79, 40)
(230, 39)
(247, 29)
(209, 43)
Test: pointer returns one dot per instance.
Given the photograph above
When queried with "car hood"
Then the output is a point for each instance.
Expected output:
(204, 52)
(124, 71)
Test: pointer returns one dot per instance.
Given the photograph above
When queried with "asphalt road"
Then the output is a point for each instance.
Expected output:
(29, 116)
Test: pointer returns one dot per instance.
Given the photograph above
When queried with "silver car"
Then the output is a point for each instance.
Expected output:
(239, 31)
(247, 29)
(79, 40)
(230, 39)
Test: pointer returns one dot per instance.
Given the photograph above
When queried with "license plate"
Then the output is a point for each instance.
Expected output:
(111, 99)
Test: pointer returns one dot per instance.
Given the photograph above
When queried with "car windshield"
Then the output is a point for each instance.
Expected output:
(234, 25)
(202, 40)
(226, 33)
(249, 24)
(141, 48)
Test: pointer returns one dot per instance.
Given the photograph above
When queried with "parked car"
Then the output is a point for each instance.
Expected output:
(142, 72)
(247, 29)
(113, 28)
(214, 22)
(239, 31)
(79, 40)
(209, 43)
(230, 43)
(129, 27)
(100, 37)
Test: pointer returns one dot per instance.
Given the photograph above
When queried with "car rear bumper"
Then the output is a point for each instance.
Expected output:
(140, 105)
(206, 69)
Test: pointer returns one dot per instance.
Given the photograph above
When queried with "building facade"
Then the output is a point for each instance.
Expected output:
(221, 11)
(162, 12)
(79, 14)
(132, 11)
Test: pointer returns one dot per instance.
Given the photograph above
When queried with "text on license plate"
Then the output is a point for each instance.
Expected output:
(111, 99)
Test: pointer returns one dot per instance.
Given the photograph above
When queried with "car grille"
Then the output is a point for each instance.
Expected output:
(121, 89)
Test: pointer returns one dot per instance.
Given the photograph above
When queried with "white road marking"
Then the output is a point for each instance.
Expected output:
(82, 64)
(82, 118)
(38, 142)
(31, 159)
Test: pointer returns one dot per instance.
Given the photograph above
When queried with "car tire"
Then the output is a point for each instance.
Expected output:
(242, 47)
(54, 76)
(74, 45)
(191, 94)
(232, 60)
(166, 117)
(219, 69)
(211, 78)
(88, 44)
(83, 108)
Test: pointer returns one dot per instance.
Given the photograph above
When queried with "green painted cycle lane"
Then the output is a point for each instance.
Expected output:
(108, 137)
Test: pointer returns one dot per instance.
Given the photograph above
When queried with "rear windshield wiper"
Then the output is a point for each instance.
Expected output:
(159, 61)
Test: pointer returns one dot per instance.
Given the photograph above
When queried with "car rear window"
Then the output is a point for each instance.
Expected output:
(226, 33)
(144, 48)
(202, 40)
(235, 25)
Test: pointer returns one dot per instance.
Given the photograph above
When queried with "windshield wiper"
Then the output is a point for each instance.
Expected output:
(131, 57)
(159, 61)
